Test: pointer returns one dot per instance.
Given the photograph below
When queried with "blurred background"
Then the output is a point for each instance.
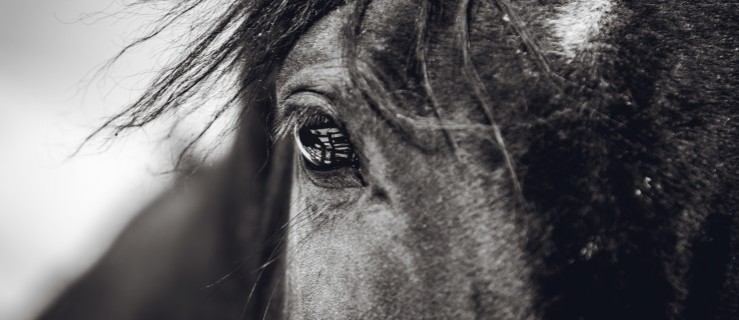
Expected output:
(58, 211)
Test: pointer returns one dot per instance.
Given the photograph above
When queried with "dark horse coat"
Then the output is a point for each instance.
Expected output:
(600, 186)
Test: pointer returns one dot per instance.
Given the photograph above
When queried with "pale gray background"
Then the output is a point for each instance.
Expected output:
(57, 214)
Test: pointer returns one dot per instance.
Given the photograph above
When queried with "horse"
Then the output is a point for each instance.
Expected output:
(469, 159)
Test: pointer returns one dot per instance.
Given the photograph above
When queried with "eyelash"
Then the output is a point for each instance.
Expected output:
(298, 109)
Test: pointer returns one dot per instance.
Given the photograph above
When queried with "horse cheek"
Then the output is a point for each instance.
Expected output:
(344, 259)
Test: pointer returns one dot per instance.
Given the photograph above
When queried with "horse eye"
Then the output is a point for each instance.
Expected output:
(324, 145)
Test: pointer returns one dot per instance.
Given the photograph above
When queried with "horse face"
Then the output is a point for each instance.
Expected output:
(422, 219)
(452, 159)
(407, 125)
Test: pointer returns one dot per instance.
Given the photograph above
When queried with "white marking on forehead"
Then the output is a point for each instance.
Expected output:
(578, 22)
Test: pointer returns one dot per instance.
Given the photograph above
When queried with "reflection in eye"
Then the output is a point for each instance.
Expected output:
(324, 145)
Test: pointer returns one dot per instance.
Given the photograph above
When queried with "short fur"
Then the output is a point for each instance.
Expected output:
(624, 160)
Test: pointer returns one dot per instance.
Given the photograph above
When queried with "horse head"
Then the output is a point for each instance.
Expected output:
(470, 159)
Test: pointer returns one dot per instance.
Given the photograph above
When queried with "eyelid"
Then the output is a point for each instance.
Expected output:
(308, 98)
(327, 79)
(298, 108)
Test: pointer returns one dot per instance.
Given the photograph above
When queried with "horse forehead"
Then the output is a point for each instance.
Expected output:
(389, 27)
(513, 47)
(384, 23)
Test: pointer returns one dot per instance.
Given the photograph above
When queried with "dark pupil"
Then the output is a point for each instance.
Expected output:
(325, 146)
